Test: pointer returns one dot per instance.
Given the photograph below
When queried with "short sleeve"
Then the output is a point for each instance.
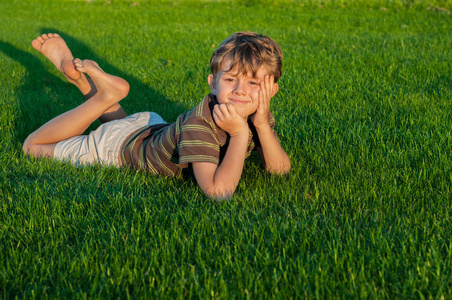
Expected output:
(198, 143)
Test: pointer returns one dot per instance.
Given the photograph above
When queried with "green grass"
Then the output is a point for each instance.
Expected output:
(364, 112)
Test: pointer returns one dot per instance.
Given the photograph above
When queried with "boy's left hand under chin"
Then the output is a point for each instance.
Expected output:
(260, 117)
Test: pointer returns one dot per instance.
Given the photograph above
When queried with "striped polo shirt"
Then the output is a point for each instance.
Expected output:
(166, 149)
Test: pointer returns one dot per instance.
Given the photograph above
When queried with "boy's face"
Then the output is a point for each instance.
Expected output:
(242, 91)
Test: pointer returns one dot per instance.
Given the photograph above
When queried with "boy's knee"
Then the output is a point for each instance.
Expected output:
(30, 148)
(27, 146)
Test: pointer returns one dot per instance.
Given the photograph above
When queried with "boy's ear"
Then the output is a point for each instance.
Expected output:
(275, 89)
(212, 84)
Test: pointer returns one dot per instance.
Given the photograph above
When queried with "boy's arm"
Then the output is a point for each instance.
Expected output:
(270, 151)
(220, 181)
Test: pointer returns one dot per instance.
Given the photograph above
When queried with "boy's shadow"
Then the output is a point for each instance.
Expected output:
(43, 95)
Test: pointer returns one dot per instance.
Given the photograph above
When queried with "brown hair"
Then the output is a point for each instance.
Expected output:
(248, 51)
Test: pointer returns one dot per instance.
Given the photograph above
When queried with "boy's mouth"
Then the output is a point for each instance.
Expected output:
(238, 102)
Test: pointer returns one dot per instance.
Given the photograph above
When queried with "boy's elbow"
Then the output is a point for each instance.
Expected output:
(282, 169)
(286, 168)
(219, 195)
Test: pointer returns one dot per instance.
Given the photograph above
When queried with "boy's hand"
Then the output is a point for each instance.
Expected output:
(227, 119)
(260, 117)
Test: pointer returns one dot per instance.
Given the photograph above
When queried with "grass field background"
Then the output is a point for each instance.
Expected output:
(364, 113)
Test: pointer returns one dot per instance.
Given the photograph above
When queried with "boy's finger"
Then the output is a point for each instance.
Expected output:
(265, 91)
(231, 108)
(271, 83)
(270, 80)
(224, 108)
(263, 88)
(261, 99)
(217, 110)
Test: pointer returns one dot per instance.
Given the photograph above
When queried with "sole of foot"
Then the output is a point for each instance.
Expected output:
(55, 49)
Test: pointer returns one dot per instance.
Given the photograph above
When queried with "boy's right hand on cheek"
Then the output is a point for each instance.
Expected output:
(227, 119)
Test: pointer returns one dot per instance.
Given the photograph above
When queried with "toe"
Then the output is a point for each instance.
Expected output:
(40, 39)
(44, 36)
(78, 64)
(36, 44)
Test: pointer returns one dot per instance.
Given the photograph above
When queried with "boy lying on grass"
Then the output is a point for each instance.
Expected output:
(213, 139)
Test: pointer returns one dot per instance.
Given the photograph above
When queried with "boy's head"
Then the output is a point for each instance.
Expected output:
(239, 67)
(247, 52)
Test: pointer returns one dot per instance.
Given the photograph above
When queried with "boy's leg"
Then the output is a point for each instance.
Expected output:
(53, 47)
(110, 90)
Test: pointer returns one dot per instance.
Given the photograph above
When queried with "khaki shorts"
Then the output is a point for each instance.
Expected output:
(102, 145)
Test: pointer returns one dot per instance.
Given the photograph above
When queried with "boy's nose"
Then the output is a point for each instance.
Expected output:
(239, 88)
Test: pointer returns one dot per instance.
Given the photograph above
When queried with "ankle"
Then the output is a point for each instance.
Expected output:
(93, 89)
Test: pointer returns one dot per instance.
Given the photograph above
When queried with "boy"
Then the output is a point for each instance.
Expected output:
(213, 139)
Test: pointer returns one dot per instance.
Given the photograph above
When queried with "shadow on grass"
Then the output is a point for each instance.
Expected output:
(42, 95)
(35, 79)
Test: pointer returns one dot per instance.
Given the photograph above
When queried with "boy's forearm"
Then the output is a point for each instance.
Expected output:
(221, 181)
(273, 156)
(228, 173)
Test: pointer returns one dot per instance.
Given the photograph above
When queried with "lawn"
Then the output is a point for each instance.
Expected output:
(363, 111)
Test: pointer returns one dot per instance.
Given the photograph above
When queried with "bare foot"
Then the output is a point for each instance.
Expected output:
(111, 89)
(53, 47)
